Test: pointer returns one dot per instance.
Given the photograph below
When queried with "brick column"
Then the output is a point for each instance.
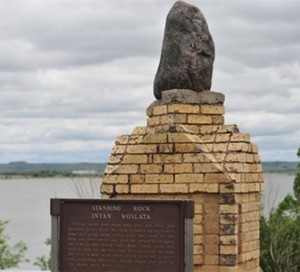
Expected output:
(187, 152)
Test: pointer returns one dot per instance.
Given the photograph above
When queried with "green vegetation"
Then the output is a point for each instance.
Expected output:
(43, 262)
(280, 233)
(10, 256)
(280, 167)
(50, 169)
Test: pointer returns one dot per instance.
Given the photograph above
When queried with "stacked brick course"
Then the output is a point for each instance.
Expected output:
(187, 152)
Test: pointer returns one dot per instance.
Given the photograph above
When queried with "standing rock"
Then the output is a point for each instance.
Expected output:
(187, 53)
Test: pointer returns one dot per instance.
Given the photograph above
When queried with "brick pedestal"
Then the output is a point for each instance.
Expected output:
(187, 152)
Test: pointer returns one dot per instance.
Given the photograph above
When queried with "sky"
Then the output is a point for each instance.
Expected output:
(74, 75)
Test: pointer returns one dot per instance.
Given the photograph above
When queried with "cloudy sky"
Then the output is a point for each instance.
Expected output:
(76, 74)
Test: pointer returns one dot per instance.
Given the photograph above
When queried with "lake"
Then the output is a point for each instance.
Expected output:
(26, 204)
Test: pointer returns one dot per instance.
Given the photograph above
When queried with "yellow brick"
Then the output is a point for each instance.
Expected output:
(250, 236)
(228, 219)
(114, 179)
(250, 158)
(198, 229)
(198, 249)
(153, 121)
(216, 178)
(198, 239)
(115, 159)
(203, 188)
(198, 219)
(199, 119)
(229, 209)
(178, 168)
(228, 188)
(196, 157)
(254, 226)
(211, 260)
(224, 137)
(158, 110)
(118, 149)
(144, 189)
(220, 147)
(209, 268)
(105, 196)
(229, 239)
(240, 137)
(178, 138)
(165, 148)
(156, 178)
(211, 239)
(233, 268)
(235, 167)
(229, 249)
(188, 178)
(134, 139)
(211, 225)
(211, 249)
(219, 157)
(192, 129)
(207, 168)
(254, 148)
(154, 138)
(122, 140)
(238, 147)
(207, 138)
(198, 208)
(217, 119)
(109, 169)
(257, 158)
(185, 148)
(139, 130)
(122, 189)
(198, 259)
(137, 179)
(236, 157)
(166, 158)
(134, 159)
(141, 149)
(173, 119)
(127, 169)
(212, 109)
(173, 188)
(151, 169)
(229, 229)
(183, 108)
(209, 129)
(228, 129)
(107, 188)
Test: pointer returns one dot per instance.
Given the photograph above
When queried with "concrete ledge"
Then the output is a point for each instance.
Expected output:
(186, 96)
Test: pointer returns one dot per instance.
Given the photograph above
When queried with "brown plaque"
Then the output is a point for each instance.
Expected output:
(122, 236)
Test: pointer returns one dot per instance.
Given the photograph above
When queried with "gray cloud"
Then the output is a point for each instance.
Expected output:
(76, 74)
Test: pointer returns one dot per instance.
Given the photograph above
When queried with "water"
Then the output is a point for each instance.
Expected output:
(26, 204)
(277, 186)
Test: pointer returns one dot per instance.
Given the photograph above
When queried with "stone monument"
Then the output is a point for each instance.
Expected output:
(187, 152)
(188, 52)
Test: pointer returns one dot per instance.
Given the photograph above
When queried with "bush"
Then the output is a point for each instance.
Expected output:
(10, 256)
(280, 234)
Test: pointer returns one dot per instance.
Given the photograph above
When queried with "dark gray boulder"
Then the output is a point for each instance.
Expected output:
(187, 53)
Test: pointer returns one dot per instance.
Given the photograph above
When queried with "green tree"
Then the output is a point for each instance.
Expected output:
(280, 233)
(10, 256)
(43, 262)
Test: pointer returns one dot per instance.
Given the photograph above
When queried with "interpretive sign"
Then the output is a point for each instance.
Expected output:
(121, 236)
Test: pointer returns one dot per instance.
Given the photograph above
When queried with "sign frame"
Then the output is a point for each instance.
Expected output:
(61, 212)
